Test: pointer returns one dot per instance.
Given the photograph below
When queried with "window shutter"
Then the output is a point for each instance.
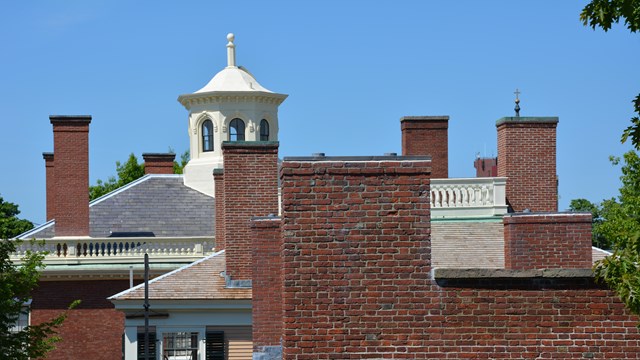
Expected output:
(215, 345)
(152, 346)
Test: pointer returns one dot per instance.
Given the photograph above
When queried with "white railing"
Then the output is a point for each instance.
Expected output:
(118, 250)
(468, 197)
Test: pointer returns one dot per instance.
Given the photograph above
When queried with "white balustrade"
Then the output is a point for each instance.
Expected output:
(468, 197)
(108, 250)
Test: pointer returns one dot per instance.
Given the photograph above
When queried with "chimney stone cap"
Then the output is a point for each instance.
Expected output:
(158, 156)
(527, 120)
(249, 144)
(70, 119)
(434, 118)
(218, 171)
(357, 158)
(47, 155)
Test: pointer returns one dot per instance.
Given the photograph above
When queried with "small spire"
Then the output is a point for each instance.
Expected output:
(231, 51)
(517, 108)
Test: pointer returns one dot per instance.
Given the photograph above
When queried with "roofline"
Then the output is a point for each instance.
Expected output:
(114, 297)
(102, 198)
(602, 250)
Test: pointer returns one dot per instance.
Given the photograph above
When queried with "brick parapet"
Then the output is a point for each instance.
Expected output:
(356, 256)
(267, 283)
(158, 163)
(527, 157)
(71, 174)
(250, 189)
(547, 241)
(427, 135)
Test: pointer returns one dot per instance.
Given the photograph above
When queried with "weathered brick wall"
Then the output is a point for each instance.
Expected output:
(94, 329)
(50, 178)
(71, 172)
(547, 241)
(356, 259)
(527, 157)
(427, 136)
(218, 184)
(155, 163)
(250, 189)
(547, 317)
(267, 283)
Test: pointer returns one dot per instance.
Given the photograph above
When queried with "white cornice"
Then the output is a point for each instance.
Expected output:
(216, 97)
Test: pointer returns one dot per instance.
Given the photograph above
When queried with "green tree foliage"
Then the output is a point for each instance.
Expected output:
(603, 14)
(129, 171)
(178, 167)
(10, 224)
(16, 285)
(619, 224)
(620, 219)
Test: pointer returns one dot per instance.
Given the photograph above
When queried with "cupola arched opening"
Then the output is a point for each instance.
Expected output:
(236, 130)
(207, 136)
(264, 130)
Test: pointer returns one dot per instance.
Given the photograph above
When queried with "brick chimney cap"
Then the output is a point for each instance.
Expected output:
(70, 119)
(527, 120)
(47, 155)
(218, 171)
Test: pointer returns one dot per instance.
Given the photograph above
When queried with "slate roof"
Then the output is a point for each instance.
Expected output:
(200, 280)
(160, 204)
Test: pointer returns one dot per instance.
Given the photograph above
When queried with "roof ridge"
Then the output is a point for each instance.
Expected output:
(170, 273)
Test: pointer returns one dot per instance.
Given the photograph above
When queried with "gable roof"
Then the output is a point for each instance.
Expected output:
(158, 204)
(200, 280)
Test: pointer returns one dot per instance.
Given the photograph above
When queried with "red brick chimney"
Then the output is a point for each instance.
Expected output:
(250, 189)
(267, 285)
(427, 136)
(71, 173)
(527, 157)
(547, 241)
(48, 164)
(356, 257)
(486, 167)
(218, 192)
(158, 163)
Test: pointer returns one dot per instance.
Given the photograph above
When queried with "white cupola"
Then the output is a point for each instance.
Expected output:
(233, 106)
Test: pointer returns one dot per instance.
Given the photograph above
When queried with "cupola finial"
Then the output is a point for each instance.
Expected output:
(231, 51)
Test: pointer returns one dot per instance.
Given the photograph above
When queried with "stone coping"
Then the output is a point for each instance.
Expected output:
(250, 144)
(511, 274)
(357, 158)
(425, 118)
(70, 118)
(527, 120)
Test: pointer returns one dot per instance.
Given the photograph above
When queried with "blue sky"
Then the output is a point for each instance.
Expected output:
(351, 69)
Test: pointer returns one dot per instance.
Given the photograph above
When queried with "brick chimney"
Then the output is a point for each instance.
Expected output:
(356, 257)
(218, 184)
(250, 189)
(547, 241)
(71, 173)
(486, 167)
(48, 164)
(527, 157)
(427, 136)
(267, 285)
(158, 163)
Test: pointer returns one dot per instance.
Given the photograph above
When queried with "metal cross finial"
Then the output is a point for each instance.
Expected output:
(517, 108)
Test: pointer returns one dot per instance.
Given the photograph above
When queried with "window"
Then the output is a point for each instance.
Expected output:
(207, 136)
(152, 344)
(180, 346)
(264, 130)
(215, 345)
(22, 321)
(236, 130)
